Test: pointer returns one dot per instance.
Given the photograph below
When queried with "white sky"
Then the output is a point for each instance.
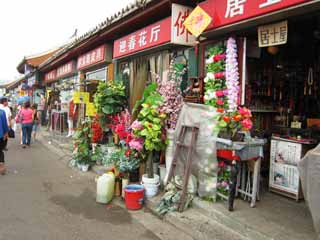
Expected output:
(33, 26)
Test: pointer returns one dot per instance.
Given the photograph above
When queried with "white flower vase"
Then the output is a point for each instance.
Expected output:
(85, 167)
(169, 152)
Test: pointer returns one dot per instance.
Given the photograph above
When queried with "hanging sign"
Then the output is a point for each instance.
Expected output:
(65, 69)
(92, 57)
(50, 76)
(273, 34)
(197, 21)
(91, 111)
(234, 11)
(81, 97)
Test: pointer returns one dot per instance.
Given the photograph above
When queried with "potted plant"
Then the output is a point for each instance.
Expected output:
(109, 100)
(151, 122)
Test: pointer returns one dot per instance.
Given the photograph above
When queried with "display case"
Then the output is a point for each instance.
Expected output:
(284, 157)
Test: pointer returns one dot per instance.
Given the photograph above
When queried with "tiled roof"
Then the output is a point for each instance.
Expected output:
(130, 8)
(15, 83)
(36, 60)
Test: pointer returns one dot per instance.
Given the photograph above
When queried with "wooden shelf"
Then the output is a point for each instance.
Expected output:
(263, 111)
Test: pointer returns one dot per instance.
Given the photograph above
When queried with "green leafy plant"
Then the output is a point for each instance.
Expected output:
(153, 124)
(110, 99)
(123, 160)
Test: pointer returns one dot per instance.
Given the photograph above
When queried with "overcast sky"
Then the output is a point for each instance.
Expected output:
(33, 26)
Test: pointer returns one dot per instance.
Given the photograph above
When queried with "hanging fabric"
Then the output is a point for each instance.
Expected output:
(310, 80)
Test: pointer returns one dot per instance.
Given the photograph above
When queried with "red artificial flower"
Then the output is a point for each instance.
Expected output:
(237, 118)
(219, 57)
(219, 75)
(220, 102)
(220, 110)
(128, 152)
(245, 112)
(219, 93)
(221, 164)
(226, 119)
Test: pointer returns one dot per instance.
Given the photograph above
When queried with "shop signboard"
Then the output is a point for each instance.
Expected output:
(148, 37)
(273, 34)
(50, 76)
(65, 69)
(81, 97)
(232, 11)
(92, 57)
(168, 30)
(31, 80)
(179, 33)
(91, 111)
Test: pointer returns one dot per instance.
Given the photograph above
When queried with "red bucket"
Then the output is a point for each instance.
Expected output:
(134, 195)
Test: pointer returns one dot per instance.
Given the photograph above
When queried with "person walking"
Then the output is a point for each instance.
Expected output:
(26, 117)
(36, 121)
(3, 137)
(4, 106)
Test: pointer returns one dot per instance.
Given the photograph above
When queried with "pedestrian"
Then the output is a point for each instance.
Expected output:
(18, 121)
(3, 137)
(4, 106)
(36, 121)
(26, 118)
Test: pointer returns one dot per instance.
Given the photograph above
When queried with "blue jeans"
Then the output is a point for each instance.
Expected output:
(26, 133)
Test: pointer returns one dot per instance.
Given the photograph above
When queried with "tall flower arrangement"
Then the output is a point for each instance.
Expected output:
(232, 74)
(222, 88)
(169, 88)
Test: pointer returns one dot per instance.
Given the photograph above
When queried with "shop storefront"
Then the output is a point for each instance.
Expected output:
(145, 55)
(95, 66)
(277, 63)
(60, 85)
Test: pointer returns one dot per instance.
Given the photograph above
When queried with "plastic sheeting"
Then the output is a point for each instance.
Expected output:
(204, 162)
(309, 169)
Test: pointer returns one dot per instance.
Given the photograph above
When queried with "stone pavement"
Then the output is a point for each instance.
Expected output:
(42, 199)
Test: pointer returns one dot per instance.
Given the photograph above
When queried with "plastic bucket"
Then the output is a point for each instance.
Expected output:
(133, 195)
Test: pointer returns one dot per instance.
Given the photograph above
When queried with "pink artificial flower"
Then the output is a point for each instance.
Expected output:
(246, 123)
(219, 57)
(136, 143)
(220, 102)
(219, 93)
(136, 125)
(245, 112)
(224, 184)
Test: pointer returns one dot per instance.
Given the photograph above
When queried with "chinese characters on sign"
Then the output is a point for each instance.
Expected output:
(234, 7)
(233, 11)
(50, 76)
(273, 34)
(65, 69)
(81, 97)
(95, 56)
(197, 21)
(147, 37)
(179, 33)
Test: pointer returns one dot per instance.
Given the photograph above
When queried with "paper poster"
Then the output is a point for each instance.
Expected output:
(81, 97)
(273, 34)
(197, 21)
(91, 111)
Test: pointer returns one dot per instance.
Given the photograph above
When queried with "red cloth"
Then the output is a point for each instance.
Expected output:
(72, 110)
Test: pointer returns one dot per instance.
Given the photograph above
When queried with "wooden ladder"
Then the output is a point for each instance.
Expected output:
(187, 170)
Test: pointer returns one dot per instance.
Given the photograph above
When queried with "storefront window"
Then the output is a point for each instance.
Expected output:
(100, 74)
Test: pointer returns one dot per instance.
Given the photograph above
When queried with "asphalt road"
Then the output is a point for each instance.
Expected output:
(42, 199)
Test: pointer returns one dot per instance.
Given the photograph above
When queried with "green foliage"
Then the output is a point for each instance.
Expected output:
(150, 95)
(110, 99)
(124, 163)
(218, 48)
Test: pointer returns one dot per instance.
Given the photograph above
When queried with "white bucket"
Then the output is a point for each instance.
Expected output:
(85, 167)
(151, 185)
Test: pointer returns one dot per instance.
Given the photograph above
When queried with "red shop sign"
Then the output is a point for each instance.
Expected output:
(153, 35)
(92, 57)
(232, 11)
(65, 69)
(52, 75)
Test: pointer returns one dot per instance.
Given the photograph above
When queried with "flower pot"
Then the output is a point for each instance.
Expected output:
(169, 152)
(125, 182)
(79, 166)
(85, 167)
(151, 185)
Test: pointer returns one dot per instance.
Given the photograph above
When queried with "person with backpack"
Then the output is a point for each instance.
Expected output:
(36, 121)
